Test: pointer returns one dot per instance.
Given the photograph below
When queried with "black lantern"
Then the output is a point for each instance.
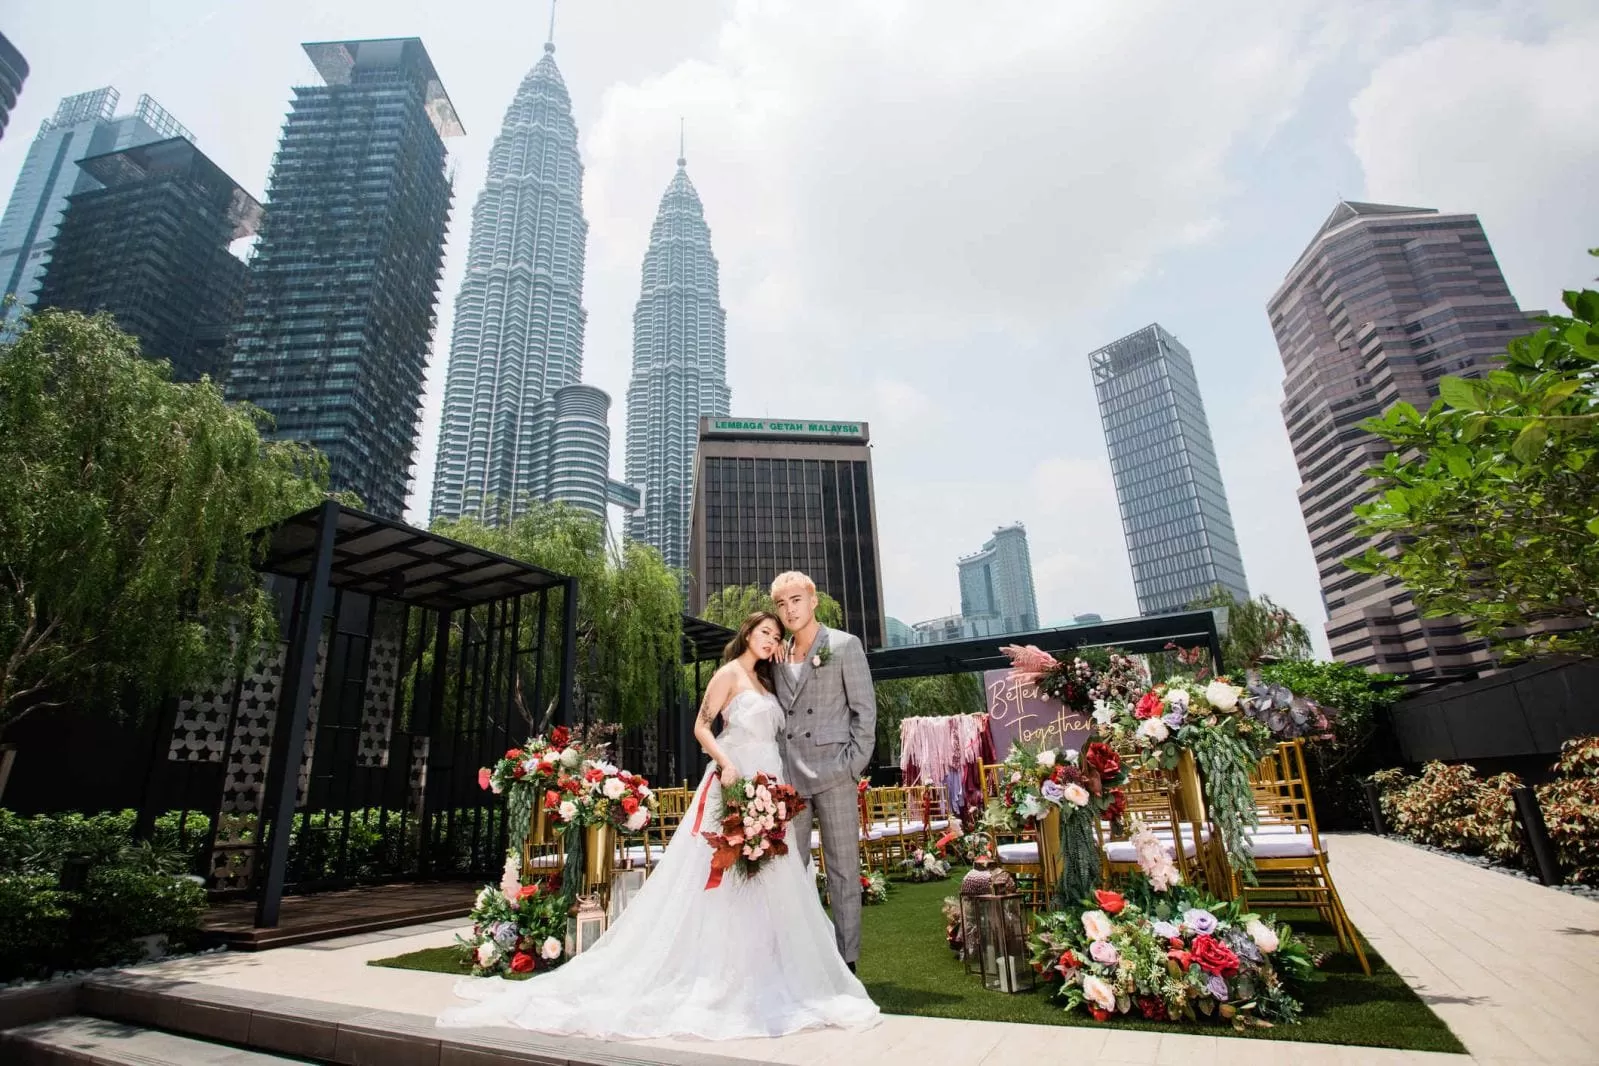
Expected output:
(1002, 933)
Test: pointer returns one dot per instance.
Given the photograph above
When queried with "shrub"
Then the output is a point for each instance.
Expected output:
(34, 918)
(41, 843)
(1571, 809)
(119, 905)
(1449, 807)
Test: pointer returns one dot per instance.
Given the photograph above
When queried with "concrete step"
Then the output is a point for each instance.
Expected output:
(75, 1040)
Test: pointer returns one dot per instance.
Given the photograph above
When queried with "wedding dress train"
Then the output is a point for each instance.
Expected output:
(747, 958)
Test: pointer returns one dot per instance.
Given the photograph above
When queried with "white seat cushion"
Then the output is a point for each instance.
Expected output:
(1278, 829)
(1123, 850)
(1282, 846)
(1019, 852)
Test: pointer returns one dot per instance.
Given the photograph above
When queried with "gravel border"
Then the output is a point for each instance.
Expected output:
(1589, 892)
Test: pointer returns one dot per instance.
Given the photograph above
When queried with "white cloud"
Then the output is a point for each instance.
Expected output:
(1495, 117)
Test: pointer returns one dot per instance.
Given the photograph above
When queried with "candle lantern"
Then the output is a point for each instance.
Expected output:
(1002, 933)
(585, 924)
(978, 882)
(625, 884)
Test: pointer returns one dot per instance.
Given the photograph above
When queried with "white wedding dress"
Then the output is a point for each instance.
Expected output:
(747, 958)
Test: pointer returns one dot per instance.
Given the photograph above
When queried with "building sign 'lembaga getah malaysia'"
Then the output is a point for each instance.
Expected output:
(776, 427)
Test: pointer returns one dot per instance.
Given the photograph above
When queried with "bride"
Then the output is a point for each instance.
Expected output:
(748, 958)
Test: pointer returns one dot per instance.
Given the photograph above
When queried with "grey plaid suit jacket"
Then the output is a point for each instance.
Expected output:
(830, 723)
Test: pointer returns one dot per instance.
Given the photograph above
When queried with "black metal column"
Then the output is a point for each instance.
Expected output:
(289, 740)
(563, 713)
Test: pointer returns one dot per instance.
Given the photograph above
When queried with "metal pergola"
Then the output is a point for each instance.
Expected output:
(1152, 633)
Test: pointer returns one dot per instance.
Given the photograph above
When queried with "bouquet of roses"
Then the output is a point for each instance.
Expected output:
(1171, 957)
(1033, 784)
(874, 888)
(536, 765)
(755, 816)
(516, 928)
(600, 793)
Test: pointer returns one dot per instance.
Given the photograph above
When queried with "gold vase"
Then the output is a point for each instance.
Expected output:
(599, 855)
(1049, 857)
(538, 826)
(1190, 797)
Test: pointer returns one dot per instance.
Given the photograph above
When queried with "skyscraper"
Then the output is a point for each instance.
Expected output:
(1384, 302)
(997, 582)
(774, 495)
(13, 72)
(518, 337)
(1179, 530)
(83, 125)
(679, 368)
(336, 327)
(150, 245)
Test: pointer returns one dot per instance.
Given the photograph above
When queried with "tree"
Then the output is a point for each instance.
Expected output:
(127, 509)
(731, 605)
(1257, 630)
(629, 609)
(1489, 502)
(939, 696)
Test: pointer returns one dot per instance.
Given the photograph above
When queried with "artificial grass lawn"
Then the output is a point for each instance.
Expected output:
(908, 969)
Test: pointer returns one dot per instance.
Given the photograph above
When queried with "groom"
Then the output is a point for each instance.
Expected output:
(829, 727)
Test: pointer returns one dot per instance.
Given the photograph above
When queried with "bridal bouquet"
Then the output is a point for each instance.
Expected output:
(755, 816)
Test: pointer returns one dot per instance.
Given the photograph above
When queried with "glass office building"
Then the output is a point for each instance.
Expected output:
(773, 495)
(83, 125)
(150, 245)
(1179, 530)
(337, 324)
(679, 368)
(13, 72)
(997, 582)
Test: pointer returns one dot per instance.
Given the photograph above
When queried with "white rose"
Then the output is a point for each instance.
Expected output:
(638, 820)
(1153, 730)
(614, 788)
(607, 769)
(1098, 992)
(551, 948)
(1046, 758)
(567, 810)
(1077, 794)
(1096, 924)
(495, 787)
(1177, 698)
(749, 790)
(1030, 807)
(1104, 713)
(1264, 937)
(570, 758)
(486, 953)
(644, 792)
(1222, 696)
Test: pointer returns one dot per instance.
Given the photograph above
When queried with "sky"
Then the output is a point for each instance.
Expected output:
(928, 213)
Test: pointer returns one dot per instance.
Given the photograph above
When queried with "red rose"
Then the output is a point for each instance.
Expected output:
(594, 773)
(552, 800)
(866, 882)
(1099, 1014)
(518, 772)
(1181, 958)
(1068, 961)
(1118, 804)
(1214, 957)
(862, 785)
(629, 804)
(1102, 758)
(1148, 706)
(529, 890)
(521, 962)
(1109, 902)
(514, 753)
(560, 736)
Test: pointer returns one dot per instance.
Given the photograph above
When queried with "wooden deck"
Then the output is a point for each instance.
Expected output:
(324, 915)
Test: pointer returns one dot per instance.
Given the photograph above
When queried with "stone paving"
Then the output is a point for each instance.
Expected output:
(1512, 967)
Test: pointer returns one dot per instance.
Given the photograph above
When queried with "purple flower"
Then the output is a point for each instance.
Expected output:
(1217, 985)
(1052, 791)
(505, 933)
(1175, 717)
(1164, 930)
(1200, 921)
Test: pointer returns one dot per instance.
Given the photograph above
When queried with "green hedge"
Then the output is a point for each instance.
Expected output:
(44, 929)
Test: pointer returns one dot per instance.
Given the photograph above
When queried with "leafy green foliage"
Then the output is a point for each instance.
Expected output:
(126, 514)
(629, 609)
(1450, 807)
(1488, 505)
(1571, 809)
(1257, 630)
(731, 605)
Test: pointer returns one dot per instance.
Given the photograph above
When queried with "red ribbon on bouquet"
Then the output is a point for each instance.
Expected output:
(699, 815)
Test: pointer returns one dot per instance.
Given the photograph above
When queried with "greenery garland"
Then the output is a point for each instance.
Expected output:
(1079, 853)
(1225, 760)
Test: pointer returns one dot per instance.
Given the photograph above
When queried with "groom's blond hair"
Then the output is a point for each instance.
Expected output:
(792, 577)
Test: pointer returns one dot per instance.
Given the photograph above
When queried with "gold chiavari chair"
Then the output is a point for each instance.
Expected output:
(1017, 850)
(1154, 797)
(1290, 856)
(927, 814)
(672, 806)
(883, 841)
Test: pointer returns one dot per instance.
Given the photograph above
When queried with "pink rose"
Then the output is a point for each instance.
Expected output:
(1104, 951)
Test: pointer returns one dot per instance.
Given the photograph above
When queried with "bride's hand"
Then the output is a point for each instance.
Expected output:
(729, 775)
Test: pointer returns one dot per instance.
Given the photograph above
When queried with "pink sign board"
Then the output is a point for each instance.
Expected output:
(1019, 712)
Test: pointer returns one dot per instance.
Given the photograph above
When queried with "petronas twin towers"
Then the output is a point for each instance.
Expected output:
(518, 425)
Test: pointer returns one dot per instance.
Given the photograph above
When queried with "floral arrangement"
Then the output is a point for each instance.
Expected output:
(1069, 682)
(516, 928)
(874, 887)
(1174, 956)
(959, 846)
(952, 923)
(924, 865)
(1209, 720)
(1286, 715)
(536, 764)
(600, 793)
(755, 816)
(1082, 786)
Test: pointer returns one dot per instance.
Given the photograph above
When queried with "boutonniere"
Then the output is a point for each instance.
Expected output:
(821, 658)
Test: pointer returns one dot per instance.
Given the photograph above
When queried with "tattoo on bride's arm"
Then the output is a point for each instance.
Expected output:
(707, 716)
